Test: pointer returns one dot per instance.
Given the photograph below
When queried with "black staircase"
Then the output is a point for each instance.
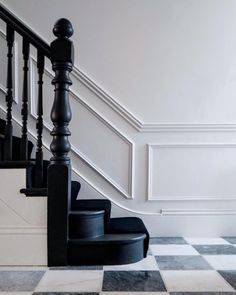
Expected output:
(80, 232)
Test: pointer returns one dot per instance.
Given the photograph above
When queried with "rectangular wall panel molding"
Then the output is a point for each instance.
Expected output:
(191, 172)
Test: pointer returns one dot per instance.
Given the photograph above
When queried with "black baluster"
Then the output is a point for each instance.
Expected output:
(39, 124)
(24, 110)
(9, 97)
(59, 171)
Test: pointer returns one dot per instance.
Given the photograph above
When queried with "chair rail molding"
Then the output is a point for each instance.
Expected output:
(23, 230)
(132, 119)
(33, 102)
(151, 147)
(15, 69)
(192, 212)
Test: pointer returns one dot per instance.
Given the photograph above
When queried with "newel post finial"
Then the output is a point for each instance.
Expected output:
(59, 170)
(62, 57)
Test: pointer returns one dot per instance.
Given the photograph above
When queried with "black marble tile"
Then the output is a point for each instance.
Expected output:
(168, 240)
(182, 262)
(15, 281)
(148, 281)
(229, 276)
(202, 293)
(231, 240)
(215, 249)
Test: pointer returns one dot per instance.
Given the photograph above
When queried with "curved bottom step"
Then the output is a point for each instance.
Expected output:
(107, 250)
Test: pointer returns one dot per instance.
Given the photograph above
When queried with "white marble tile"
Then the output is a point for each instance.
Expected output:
(134, 293)
(71, 281)
(206, 241)
(169, 250)
(24, 268)
(195, 281)
(221, 262)
(148, 263)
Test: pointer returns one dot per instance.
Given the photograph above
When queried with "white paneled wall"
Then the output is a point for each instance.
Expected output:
(154, 106)
(23, 223)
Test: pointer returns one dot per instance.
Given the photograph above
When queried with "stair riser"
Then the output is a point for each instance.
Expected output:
(86, 226)
(104, 254)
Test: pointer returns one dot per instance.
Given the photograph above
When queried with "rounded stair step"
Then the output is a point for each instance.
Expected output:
(107, 249)
(86, 224)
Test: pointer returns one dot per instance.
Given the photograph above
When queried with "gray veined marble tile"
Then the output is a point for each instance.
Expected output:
(202, 293)
(231, 240)
(79, 267)
(13, 281)
(133, 281)
(215, 249)
(168, 240)
(182, 262)
(229, 276)
(65, 293)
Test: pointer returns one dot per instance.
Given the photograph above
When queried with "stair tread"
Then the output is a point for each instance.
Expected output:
(34, 192)
(87, 212)
(16, 164)
(111, 239)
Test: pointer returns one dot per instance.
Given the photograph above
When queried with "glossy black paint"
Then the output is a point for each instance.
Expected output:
(79, 231)
(39, 169)
(59, 171)
(86, 224)
(24, 110)
(9, 96)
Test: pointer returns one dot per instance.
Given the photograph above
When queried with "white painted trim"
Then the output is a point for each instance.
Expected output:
(127, 194)
(3, 88)
(107, 99)
(132, 119)
(152, 146)
(23, 230)
(187, 127)
(89, 183)
(191, 212)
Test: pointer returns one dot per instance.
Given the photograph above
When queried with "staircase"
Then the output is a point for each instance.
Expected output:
(80, 232)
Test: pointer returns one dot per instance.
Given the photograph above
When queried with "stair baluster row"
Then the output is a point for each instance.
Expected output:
(78, 231)
(9, 95)
(24, 109)
(39, 124)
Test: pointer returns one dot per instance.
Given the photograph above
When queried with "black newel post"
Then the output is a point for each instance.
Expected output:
(59, 171)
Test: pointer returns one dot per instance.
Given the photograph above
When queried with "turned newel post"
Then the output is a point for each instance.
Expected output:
(59, 171)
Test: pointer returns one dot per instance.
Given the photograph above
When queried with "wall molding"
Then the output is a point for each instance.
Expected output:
(33, 230)
(33, 99)
(131, 118)
(186, 127)
(100, 192)
(152, 146)
(15, 70)
(197, 212)
(135, 122)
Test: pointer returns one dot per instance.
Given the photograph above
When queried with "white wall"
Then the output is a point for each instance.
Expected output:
(153, 106)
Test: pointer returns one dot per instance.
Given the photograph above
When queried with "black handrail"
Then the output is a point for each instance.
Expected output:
(24, 31)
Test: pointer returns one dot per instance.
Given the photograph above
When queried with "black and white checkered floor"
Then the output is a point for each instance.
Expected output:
(176, 266)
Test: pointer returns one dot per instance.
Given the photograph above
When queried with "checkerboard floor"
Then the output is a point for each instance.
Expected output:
(175, 266)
